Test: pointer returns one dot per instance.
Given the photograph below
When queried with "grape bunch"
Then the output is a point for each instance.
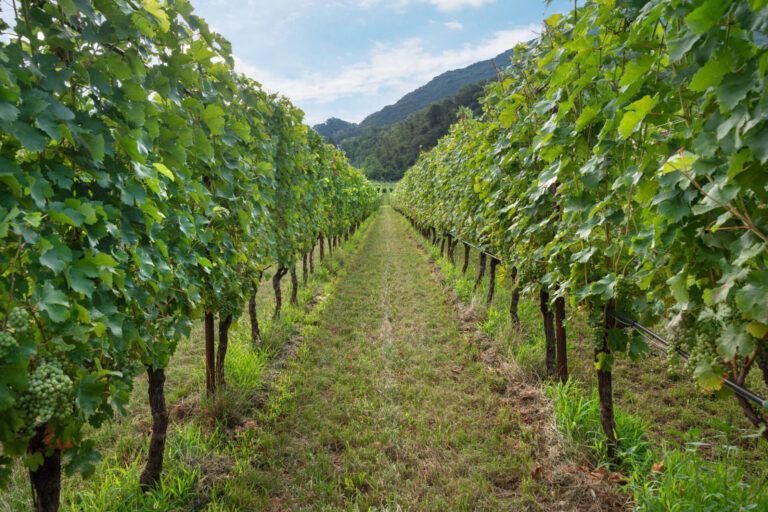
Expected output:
(20, 323)
(702, 341)
(625, 292)
(597, 333)
(49, 386)
(7, 342)
(20, 320)
(696, 333)
(531, 271)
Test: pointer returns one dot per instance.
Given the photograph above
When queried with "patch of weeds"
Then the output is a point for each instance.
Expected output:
(275, 333)
(578, 418)
(322, 273)
(245, 363)
(116, 488)
(676, 478)
(463, 288)
(492, 322)
(305, 295)
(684, 480)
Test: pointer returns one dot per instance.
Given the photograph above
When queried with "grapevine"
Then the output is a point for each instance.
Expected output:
(627, 141)
(145, 183)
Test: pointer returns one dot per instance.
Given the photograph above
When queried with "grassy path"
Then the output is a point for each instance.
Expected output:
(390, 407)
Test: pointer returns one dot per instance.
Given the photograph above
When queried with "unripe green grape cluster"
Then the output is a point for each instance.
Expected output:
(7, 342)
(698, 336)
(49, 386)
(531, 271)
(597, 333)
(20, 320)
(702, 342)
(625, 292)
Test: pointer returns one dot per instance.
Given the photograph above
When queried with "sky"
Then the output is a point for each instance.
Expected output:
(348, 59)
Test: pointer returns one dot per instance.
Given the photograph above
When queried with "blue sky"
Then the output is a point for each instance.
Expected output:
(347, 58)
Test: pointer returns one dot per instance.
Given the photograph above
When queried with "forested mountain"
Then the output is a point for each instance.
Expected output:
(386, 152)
(440, 87)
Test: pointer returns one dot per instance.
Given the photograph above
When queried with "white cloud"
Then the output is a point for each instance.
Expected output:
(454, 25)
(455, 5)
(388, 70)
(440, 5)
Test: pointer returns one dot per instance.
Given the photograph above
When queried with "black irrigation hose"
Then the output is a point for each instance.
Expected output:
(650, 335)
(476, 247)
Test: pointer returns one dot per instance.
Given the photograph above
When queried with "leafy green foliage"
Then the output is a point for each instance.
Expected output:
(142, 182)
(625, 146)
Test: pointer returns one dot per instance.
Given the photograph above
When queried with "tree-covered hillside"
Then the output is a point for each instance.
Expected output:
(386, 152)
(442, 86)
(439, 88)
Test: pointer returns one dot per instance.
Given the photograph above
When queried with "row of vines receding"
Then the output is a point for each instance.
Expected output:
(620, 164)
(144, 184)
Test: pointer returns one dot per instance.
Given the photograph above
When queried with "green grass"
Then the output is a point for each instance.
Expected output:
(577, 414)
(376, 393)
(387, 409)
(668, 477)
(690, 482)
(385, 184)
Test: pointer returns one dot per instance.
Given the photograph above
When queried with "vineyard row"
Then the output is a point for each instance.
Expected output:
(620, 164)
(144, 184)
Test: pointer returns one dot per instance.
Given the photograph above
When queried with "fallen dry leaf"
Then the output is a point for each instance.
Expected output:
(536, 470)
(618, 478)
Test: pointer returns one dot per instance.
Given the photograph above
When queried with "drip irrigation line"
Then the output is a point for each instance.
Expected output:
(476, 247)
(650, 335)
(495, 257)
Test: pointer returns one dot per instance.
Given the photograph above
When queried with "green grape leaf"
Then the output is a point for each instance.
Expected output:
(734, 341)
(757, 140)
(29, 137)
(8, 111)
(57, 257)
(707, 377)
(710, 75)
(679, 47)
(604, 362)
(89, 391)
(95, 145)
(751, 300)
(706, 16)
(54, 303)
(635, 113)
(678, 285)
(213, 115)
(757, 329)
(604, 288)
(733, 89)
